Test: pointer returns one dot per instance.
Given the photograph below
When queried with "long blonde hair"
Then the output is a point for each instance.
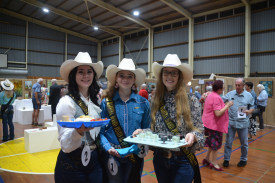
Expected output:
(111, 90)
(181, 99)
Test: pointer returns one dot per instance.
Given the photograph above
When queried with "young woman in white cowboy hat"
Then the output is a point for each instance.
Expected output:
(7, 97)
(129, 113)
(173, 111)
(72, 163)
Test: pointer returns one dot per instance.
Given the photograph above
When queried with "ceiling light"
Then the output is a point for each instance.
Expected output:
(96, 28)
(136, 13)
(46, 10)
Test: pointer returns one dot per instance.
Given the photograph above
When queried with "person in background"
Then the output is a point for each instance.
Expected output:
(82, 75)
(7, 97)
(204, 96)
(129, 113)
(36, 101)
(215, 120)
(175, 112)
(152, 94)
(252, 124)
(237, 123)
(143, 92)
(261, 103)
(197, 92)
(44, 91)
(55, 95)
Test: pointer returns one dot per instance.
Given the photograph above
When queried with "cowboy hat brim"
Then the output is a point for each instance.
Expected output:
(7, 87)
(69, 65)
(113, 69)
(185, 69)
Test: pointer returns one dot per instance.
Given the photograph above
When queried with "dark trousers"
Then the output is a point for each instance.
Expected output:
(261, 110)
(8, 124)
(69, 168)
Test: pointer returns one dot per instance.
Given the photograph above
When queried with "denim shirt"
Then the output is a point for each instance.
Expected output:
(36, 88)
(133, 114)
(262, 98)
(243, 99)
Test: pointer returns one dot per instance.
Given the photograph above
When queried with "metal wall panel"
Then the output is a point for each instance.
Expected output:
(110, 49)
(171, 37)
(45, 58)
(219, 46)
(43, 71)
(11, 41)
(229, 26)
(263, 63)
(75, 48)
(110, 60)
(263, 42)
(43, 32)
(78, 40)
(138, 57)
(11, 21)
(221, 65)
(136, 43)
(180, 50)
(14, 55)
(263, 20)
(45, 45)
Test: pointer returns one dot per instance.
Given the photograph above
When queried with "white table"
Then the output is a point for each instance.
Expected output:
(24, 117)
(47, 112)
(37, 140)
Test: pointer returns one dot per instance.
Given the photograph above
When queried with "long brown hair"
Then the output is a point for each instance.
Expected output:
(181, 99)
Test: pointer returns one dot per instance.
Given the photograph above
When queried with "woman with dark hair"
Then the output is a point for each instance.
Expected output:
(215, 120)
(73, 163)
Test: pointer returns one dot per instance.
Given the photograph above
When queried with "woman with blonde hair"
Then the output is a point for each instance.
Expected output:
(129, 113)
(173, 111)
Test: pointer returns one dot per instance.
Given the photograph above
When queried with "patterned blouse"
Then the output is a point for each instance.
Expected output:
(195, 108)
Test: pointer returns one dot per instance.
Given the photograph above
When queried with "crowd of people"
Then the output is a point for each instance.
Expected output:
(100, 155)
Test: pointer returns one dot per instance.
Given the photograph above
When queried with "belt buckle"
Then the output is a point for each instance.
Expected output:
(167, 154)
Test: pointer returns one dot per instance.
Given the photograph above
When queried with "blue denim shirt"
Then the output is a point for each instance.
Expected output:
(198, 95)
(262, 98)
(243, 99)
(255, 98)
(36, 88)
(132, 115)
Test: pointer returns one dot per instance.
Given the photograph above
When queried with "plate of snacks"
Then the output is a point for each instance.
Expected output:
(87, 121)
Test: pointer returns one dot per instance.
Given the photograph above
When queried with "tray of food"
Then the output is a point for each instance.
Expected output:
(87, 121)
(157, 140)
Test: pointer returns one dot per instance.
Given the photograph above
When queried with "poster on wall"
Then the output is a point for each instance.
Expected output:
(28, 85)
(18, 87)
(268, 87)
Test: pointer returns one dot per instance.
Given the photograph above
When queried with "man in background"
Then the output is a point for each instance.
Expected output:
(36, 101)
(54, 95)
(142, 92)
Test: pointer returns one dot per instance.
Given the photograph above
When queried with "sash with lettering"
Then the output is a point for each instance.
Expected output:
(84, 108)
(172, 127)
(117, 128)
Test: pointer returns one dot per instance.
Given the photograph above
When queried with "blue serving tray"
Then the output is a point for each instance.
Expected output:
(88, 124)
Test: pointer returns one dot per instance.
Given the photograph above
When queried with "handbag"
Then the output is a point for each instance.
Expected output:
(4, 108)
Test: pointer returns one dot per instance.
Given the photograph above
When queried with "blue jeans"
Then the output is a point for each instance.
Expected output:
(243, 136)
(69, 168)
(35, 105)
(7, 121)
(177, 169)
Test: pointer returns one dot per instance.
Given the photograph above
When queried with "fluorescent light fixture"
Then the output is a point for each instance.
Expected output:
(96, 28)
(136, 13)
(46, 10)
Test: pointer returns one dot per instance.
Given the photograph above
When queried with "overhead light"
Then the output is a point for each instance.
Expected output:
(189, 83)
(136, 13)
(46, 10)
(96, 28)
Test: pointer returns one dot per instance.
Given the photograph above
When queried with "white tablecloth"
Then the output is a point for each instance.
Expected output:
(25, 116)
(47, 112)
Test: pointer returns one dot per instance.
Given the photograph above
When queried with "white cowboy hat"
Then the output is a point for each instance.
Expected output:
(172, 60)
(82, 58)
(126, 65)
(7, 85)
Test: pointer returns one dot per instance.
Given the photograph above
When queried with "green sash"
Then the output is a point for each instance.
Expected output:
(117, 128)
(172, 127)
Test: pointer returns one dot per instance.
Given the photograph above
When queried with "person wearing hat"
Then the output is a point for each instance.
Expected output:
(129, 113)
(173, 111)
(7, 97)
(78, 159)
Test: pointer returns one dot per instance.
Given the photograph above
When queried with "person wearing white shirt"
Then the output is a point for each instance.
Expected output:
(82, 75)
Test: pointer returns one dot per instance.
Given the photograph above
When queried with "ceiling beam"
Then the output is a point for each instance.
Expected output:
(44, 24)
(70, 16)
(172, 4)
(246, 2)
(120, 12)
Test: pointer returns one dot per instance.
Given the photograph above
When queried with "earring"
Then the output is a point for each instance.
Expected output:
(116, 85)
(134, 87)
